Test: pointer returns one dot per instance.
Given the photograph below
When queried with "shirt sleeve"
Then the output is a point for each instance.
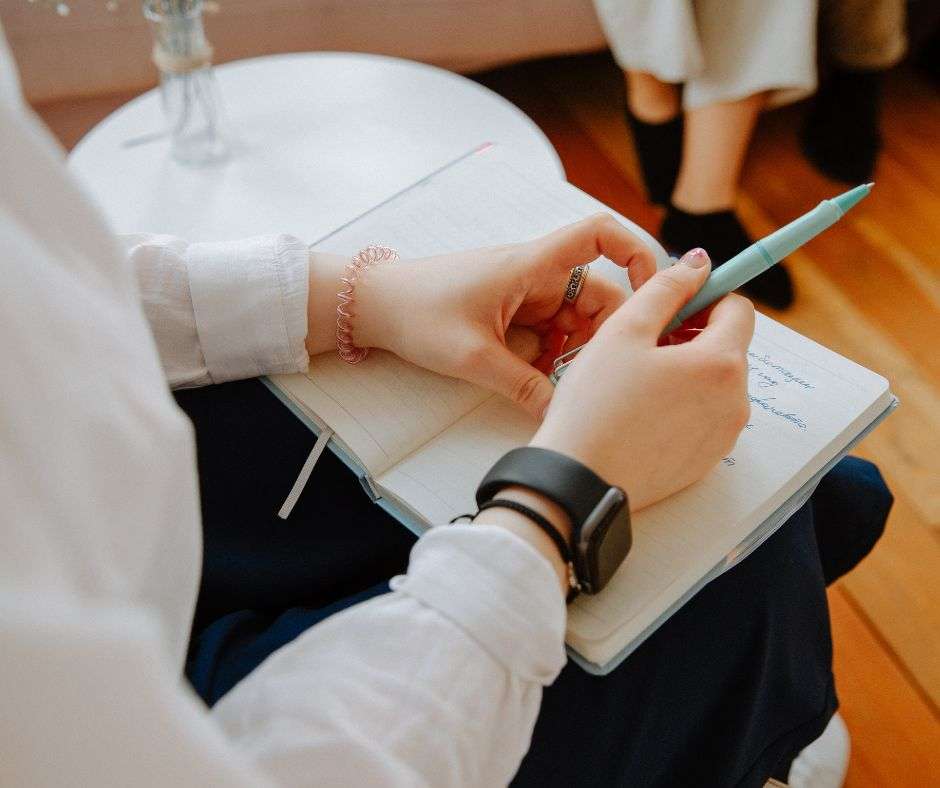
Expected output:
(224, 311)
(437, 684)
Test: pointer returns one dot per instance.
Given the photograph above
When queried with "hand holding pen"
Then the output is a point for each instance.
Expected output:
(653, 418)
(753, 261)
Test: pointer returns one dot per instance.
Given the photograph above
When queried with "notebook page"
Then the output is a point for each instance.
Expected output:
(439, 480)
(807, 403)
(384, 408)
(480, 200)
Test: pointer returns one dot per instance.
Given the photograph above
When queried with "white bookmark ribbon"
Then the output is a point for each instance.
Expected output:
(288, 506)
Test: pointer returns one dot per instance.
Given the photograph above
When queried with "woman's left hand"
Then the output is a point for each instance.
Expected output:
(451, 313)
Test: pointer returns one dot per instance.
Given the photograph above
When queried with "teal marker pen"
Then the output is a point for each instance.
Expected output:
(754, 260)
(769, 251)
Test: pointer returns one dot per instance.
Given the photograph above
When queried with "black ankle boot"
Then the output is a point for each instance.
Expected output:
(659, 149)
(840, 136)
(722, 236)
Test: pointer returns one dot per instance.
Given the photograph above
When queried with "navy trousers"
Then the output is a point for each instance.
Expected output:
(725, 693)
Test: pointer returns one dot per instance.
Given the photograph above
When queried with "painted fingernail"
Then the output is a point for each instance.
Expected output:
(695, 258)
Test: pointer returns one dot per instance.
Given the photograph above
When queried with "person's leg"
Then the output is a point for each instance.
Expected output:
(733, 685)
(726, 692)
(692, 163)
(655, 120)
(650, 99)
(861, 40)
(864, 34)
(701, 209)
(850, 509)
(715, 142)
(231, 647)
(752, 53)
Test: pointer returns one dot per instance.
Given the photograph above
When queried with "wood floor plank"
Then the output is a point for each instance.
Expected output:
(599, 109)
(895, 736)
(920, 270)
(911, 125)
(589, 169)
(895, 586)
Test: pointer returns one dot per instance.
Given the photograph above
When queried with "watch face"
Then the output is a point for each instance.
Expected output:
(605, 540)
(613, 548)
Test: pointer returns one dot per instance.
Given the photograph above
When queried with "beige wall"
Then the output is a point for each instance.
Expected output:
(95, 51)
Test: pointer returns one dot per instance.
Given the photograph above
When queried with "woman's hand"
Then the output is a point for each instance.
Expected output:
(451, 313)
(649, 417)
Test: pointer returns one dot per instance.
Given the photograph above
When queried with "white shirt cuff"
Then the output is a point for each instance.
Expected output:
(498, 589)
(250, 304)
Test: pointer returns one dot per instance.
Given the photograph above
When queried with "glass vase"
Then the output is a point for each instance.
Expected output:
(187, 84)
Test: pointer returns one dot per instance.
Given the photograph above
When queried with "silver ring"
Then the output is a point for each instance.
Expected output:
(575, 283)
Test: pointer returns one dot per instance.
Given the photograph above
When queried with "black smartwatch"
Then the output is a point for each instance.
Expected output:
(599, 513)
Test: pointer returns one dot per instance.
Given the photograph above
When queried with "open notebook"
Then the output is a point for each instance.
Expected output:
(422, 442)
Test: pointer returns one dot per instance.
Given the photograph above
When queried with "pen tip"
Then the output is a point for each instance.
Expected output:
(852, 197)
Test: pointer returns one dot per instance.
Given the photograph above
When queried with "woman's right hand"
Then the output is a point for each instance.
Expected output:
(653, 419)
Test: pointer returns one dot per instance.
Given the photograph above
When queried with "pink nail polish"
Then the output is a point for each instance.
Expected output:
(695, 258)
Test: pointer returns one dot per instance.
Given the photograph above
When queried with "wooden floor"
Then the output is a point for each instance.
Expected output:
(868, 288)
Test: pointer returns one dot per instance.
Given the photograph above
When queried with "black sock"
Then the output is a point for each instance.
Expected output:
(840, 136)
(721, 234)
(659, 149)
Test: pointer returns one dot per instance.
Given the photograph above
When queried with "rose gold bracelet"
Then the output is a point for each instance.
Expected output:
(355, 268)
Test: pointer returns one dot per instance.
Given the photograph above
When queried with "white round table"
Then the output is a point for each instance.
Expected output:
(316, 140)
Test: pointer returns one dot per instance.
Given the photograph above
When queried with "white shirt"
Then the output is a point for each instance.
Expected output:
(437, 683)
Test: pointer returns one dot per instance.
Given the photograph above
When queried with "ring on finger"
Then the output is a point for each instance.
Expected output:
(575, 283)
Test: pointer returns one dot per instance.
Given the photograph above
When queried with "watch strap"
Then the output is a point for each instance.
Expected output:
(568, 483)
